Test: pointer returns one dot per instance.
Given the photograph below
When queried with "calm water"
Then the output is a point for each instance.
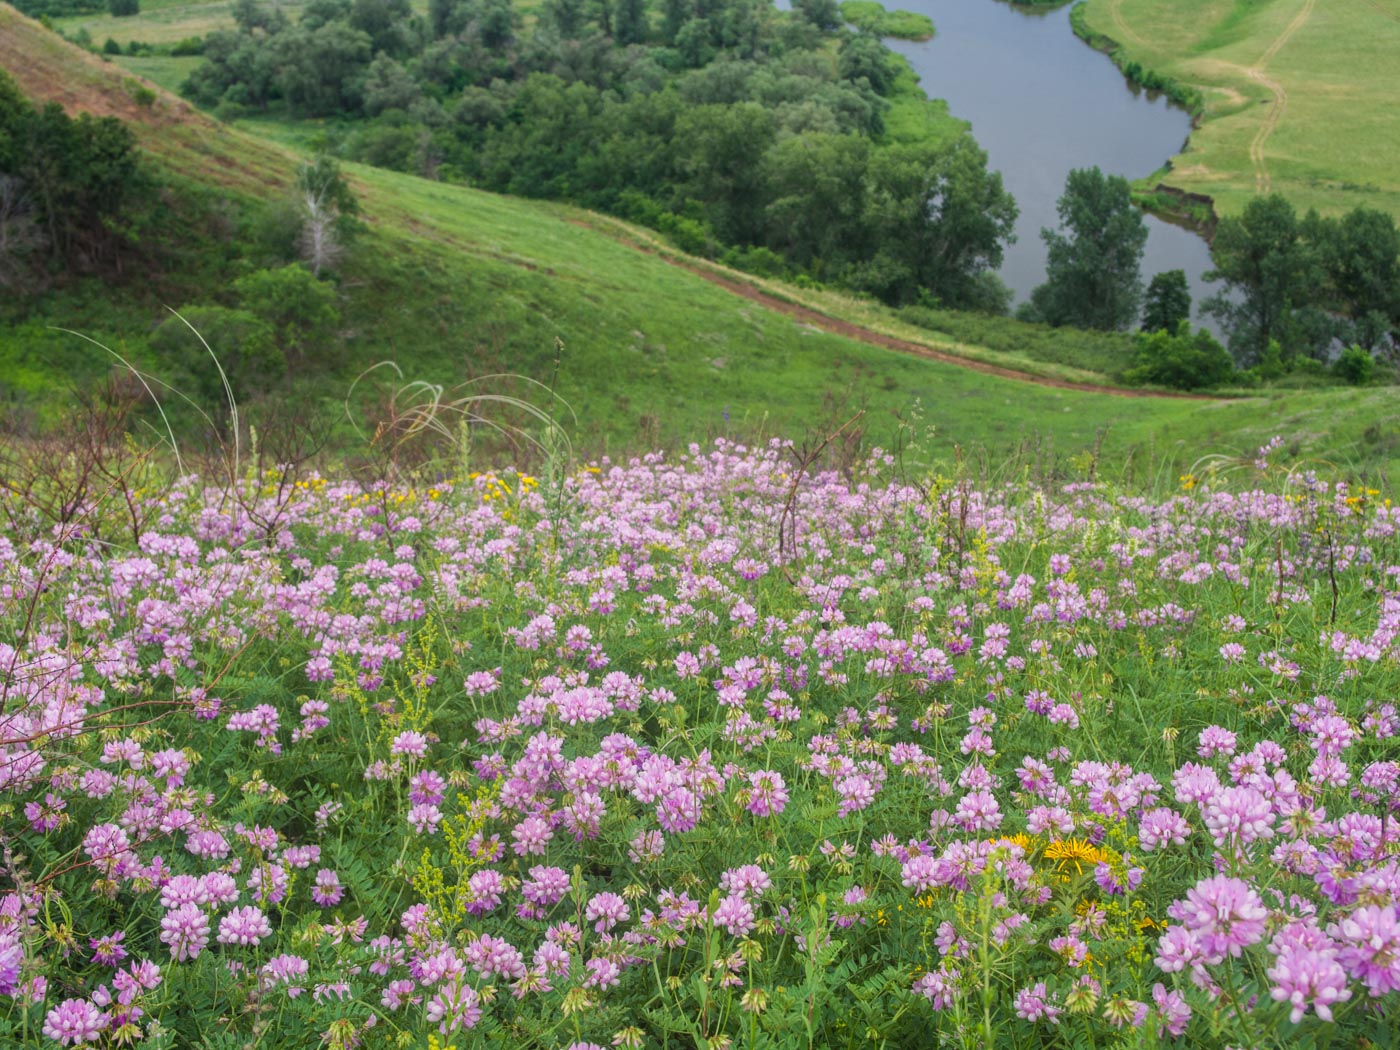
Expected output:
(1042, 102)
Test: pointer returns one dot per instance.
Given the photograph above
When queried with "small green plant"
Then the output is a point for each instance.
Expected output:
(1355, 365)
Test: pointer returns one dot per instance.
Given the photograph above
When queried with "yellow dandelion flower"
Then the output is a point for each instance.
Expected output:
(1076, 852)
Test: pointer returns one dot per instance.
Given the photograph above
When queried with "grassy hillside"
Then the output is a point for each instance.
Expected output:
(452, 283)
(1300, 96)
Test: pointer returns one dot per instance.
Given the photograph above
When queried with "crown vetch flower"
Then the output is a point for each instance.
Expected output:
(246, 926)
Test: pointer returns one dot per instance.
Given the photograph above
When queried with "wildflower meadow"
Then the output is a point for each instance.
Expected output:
(702, 750)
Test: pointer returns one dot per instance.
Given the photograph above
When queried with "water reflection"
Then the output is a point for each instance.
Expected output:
(1042, 102)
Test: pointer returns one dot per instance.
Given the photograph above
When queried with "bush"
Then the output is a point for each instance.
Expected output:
(123, 8)
(191, 45)
(870, 16)
(760, 261)
(1183, 362)
(1355, 365)
(300, 310)
(688, 235)
(242, 343)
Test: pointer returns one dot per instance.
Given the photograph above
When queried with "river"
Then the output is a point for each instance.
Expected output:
(1042, 102)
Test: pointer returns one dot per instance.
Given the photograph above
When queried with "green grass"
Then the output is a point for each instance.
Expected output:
(655, 352)
(166, 21)
(871, 16)
(166, 71)
(912, 117)
(452, 283)
(1300, 96)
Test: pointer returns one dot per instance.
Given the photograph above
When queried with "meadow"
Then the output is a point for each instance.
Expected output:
(654, 354)
(1298, 96)
(716, 749)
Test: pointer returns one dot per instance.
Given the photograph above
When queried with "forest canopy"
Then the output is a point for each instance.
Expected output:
(737, 130)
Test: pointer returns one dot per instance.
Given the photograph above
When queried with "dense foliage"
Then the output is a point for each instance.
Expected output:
(1166, 306)
(871, 16)
(1093, 261)
(699, 751)
(58, 8)
(1303, 282)
(726, 125)
(1180, 359)
(68, 190)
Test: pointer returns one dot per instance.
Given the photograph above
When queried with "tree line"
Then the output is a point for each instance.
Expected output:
(71, 191)
(1292, 288)
(730, 126)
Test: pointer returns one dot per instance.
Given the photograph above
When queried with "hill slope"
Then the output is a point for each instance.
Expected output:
(452, 282)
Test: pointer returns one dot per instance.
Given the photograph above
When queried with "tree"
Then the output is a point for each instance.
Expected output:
(566, 16)
(1270, 274)
(388, 86)
(1167, 305)
(244, 345)
(536, 153)
(498, 23)
(250, 16)
(320, 73)
(387, 23)
(717, 147)
(695, 43)
(237, 68)
(1092, 268)
(1361, 253)
(629, 24)
(300, 310)
(73, 181)
(862, 56)
(328, 211)
(939, 221)
(123, 8)
(20, 235)
(824, 14)
(674, 14)
(817, 186)
(449, 17)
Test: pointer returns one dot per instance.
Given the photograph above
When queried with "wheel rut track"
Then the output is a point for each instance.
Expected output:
(1280, 104)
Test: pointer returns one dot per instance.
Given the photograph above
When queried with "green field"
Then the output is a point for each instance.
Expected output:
(1301, 96)
(451, 283)
(166, 21)
(871, 16)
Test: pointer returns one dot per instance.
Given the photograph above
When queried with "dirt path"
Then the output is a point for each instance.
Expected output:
(1280, 103)
(1126, 34)
(859, 333)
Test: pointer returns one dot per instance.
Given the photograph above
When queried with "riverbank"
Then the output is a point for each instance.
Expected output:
(871, 16)
(1073, 110)
(1295, 96)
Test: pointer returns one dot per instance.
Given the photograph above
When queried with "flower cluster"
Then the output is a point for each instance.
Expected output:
(686, 735)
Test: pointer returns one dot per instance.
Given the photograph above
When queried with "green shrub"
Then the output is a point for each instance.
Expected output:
(1187, 361)
(300, 310)
(870, 16)
(1355, 365)
(243, 344)
(689, 235)
(191, 45)
(760, 261)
